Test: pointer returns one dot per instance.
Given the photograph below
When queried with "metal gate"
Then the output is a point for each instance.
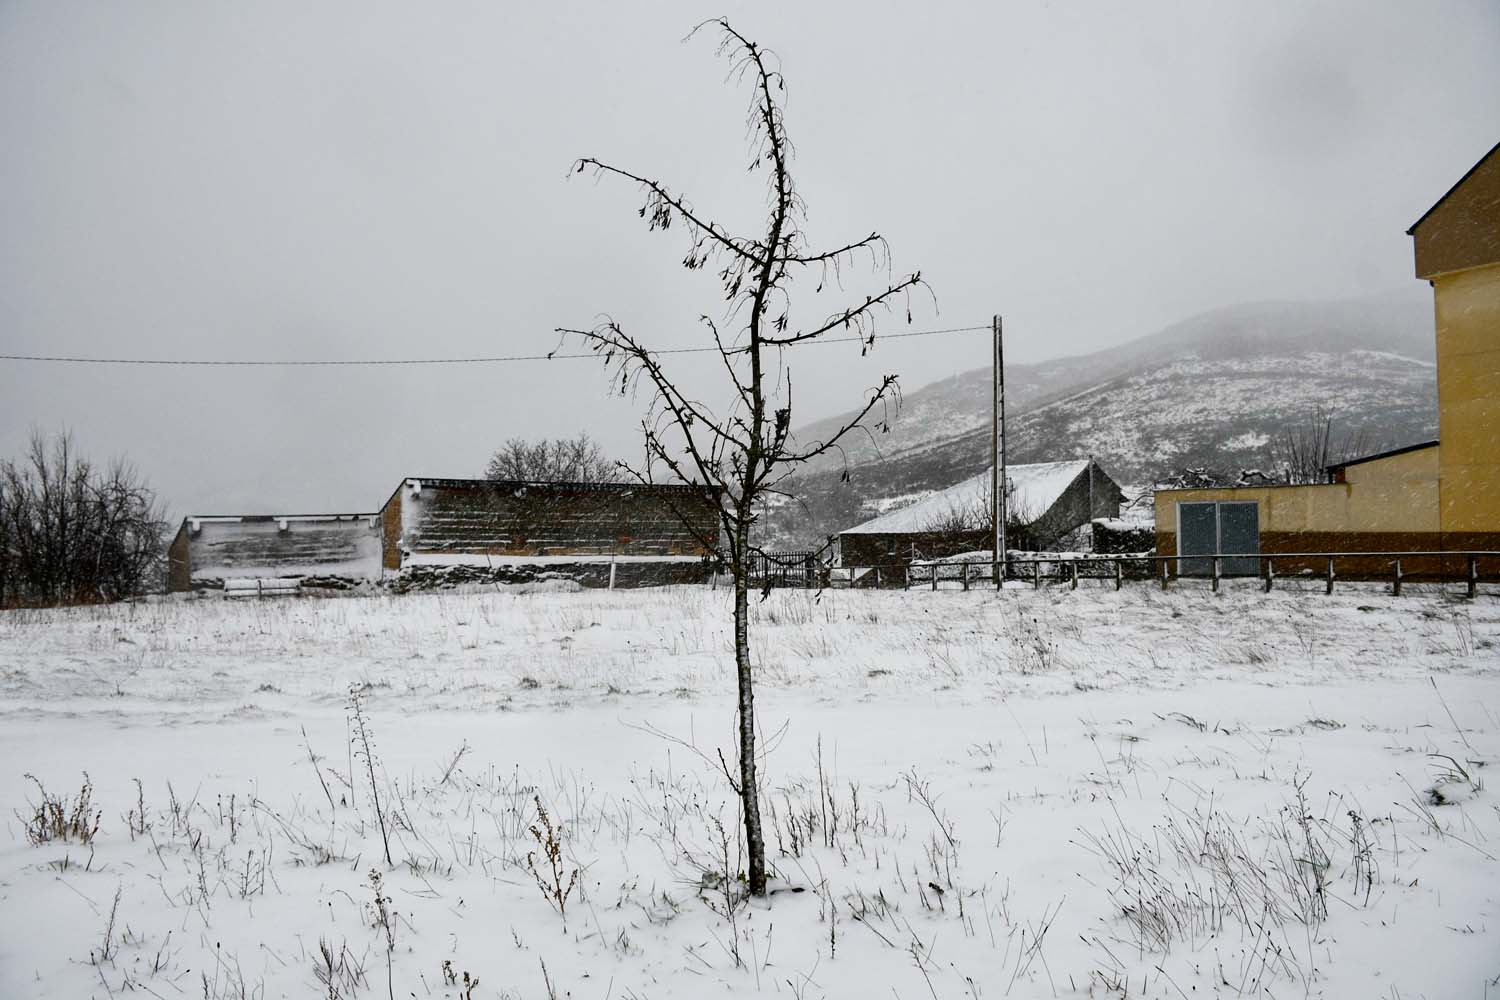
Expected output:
(783, 569)
(1225, 528)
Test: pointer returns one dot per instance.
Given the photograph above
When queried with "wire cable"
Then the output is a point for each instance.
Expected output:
(500, 359)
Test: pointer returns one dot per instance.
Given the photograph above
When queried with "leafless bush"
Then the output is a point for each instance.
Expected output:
(1303, 450)
(72, 533)
(959, 519)
(135, 819)
(57, 818)
(553, 879)
(721, 883)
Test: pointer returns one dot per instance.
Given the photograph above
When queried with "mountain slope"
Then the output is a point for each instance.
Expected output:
(1208, 391)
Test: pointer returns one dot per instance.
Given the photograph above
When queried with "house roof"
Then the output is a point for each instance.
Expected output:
(1456, 185)
(252, 518)
(1379, 455)
(575, 487)
(1033, 490)
(584, 487)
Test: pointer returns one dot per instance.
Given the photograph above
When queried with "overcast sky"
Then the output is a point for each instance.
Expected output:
(321, 180)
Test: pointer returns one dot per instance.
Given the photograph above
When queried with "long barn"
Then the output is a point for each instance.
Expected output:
(596, 533)
(449, 531)
(209, 551)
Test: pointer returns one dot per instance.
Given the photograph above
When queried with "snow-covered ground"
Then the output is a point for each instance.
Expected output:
(1026, 794)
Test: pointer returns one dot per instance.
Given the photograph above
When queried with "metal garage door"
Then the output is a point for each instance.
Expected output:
(1197, 534)
(1229, 528)
(1239, 532)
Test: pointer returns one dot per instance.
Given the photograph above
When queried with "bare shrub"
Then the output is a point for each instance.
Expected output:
(1303, 450)
(553, 880)
(57, 818)
(73, 533)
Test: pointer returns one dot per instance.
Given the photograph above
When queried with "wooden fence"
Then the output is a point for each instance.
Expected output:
(1469, 568)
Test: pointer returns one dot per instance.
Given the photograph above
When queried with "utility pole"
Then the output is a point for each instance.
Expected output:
(997, 458)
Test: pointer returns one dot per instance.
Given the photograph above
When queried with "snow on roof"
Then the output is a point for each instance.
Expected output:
(1033, 490)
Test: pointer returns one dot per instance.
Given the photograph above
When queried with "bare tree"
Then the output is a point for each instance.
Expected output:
(744, 453)
(978, 515)
(578, 459)
(72, 533)
(1302, 451)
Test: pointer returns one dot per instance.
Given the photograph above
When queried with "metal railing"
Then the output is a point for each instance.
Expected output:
(1466, 566)
(785, 569)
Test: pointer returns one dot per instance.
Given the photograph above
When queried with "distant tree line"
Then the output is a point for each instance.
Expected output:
(560, 460)
(72, 532)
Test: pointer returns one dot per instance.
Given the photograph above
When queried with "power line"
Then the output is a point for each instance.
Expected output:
(500, 359)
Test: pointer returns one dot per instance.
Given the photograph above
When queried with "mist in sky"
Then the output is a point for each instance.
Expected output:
(367, 180)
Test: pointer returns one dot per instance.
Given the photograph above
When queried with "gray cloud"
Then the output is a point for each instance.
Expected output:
(291, 180)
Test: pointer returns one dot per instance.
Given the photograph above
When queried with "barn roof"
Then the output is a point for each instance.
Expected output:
(497, 485)
(252, 518)
(1034, 489)
(582, 487)
(1456, 185)
(1381, 454)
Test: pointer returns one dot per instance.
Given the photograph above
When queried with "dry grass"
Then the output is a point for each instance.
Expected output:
(57, 818)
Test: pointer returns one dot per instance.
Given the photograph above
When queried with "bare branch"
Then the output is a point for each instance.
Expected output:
(874, 242)
(854, 316)
(889, 387)
(661, 203)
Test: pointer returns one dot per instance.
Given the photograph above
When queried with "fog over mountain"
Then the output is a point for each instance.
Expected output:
(1208, 391)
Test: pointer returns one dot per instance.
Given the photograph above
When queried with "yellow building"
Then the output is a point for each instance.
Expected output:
(1458, 250)
(1439, 496)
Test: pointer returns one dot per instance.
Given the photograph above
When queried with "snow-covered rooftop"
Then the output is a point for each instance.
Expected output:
(1033, 489)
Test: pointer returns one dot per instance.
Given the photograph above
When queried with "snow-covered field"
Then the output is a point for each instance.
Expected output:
(1026, 794)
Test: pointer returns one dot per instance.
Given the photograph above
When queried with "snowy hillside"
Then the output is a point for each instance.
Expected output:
(1209, 391)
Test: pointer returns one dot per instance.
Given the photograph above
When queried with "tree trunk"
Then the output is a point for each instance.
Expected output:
(755, 844)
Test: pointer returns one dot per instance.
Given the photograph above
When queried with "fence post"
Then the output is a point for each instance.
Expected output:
(1396, 581)
(877, 577)
(933, 570)
(1036, 574)
(1073, 563)
(966, 576)
(1330, 574)
(1119, 573)
(1163, 574)
(1270, 572)
(1216, 574)
(1473, 576)
(908, 577)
